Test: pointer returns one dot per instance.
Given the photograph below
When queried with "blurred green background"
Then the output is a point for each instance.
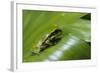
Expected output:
(75, 43)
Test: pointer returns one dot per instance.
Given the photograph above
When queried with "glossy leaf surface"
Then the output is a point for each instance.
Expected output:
(38, 25)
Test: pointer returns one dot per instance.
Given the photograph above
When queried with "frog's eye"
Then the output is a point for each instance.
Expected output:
(51, 40)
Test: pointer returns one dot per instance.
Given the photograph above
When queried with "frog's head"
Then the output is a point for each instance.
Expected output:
(36, 48)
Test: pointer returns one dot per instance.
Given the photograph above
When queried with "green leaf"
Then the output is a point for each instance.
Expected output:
(80, 29)
(38, 25)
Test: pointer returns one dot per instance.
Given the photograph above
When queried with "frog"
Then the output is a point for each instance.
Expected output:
(50, 40)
